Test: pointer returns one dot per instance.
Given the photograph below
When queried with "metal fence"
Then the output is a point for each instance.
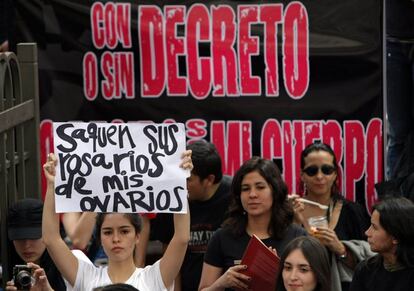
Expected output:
(19, 134)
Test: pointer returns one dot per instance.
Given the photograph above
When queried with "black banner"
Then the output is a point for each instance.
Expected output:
(254, 77)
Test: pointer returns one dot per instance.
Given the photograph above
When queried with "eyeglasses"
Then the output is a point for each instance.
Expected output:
(313, 170)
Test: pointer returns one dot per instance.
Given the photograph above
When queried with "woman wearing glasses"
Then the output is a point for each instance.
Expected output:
(345, 221)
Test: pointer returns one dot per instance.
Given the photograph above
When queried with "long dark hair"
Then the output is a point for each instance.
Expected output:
(396, 216)
(282, 213)
(133, 218)
(316, 255)
(316, 147)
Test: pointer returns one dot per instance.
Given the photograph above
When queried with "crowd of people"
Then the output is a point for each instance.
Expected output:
(203, 248)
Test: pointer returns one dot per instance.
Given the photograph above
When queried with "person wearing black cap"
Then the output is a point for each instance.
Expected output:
(25, 230)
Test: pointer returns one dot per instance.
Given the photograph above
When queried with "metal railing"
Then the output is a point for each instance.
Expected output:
(19, 135)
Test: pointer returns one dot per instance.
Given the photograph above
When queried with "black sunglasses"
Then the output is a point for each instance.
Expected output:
(313, 170)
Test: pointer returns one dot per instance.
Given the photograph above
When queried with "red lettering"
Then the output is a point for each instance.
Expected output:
(107, 68)
(354, 156)
(298, 147)
(118, 72)
(271, 15)
(110, 24)
(97, 19)
(312, 131)
(271, 140)
(305, 132)
(332, 135)
(246, 138)
(223, 53)
(90, 76)
(196, 129)
(234, 159)
(126, 74)
(229, 69)
(217, 137)
(174, 47)
(123, 19)
(151, 46)
(288, 158)
(198, 68)
(276, 144)
(296, 50)
(238, 140)
(374, 160)
(248, 46)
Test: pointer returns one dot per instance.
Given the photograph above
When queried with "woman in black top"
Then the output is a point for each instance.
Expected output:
(259, 206)
(347, 220)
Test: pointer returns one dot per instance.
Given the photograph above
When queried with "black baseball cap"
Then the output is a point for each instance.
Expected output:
(25, 219)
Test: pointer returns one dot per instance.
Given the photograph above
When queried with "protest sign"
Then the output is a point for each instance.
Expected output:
(261, 78)
(104, 167)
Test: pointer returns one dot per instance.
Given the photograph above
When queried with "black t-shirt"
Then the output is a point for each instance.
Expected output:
(400, 19)
(226, 250)
(206, 217)
(353, 222)
(374, 277)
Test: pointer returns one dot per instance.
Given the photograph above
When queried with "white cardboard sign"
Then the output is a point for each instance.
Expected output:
(119, 167)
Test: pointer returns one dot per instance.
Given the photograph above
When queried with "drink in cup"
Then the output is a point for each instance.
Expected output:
(317, 221)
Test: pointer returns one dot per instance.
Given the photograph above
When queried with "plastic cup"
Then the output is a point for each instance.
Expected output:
(317, 221)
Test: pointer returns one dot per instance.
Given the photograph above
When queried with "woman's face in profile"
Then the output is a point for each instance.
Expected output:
(297, 273)
(379, 240)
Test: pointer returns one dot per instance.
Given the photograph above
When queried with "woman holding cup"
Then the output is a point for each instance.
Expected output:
(316, 222)
(336, 221)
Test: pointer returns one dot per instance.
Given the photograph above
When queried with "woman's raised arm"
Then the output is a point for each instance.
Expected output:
(63, 258)
(173, 257)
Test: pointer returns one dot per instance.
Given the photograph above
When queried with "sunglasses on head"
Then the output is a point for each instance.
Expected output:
(313, 170)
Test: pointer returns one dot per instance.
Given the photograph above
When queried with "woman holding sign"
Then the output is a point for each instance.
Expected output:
(259, 207)
(118, 233)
